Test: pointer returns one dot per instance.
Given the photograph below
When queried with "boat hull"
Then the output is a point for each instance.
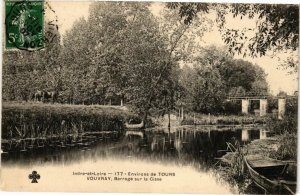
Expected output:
(267, 178)
(134, 126)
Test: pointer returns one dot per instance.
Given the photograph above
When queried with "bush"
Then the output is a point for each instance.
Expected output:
(292, 107)
(272, 104)
(232, 107)
(287, 147)
(289, 122)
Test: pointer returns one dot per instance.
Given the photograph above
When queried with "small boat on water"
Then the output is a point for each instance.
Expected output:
(270, 175)
(134, 133)
(134, 126)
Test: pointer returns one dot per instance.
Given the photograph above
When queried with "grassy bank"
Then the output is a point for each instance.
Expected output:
(27, 120)
(281, 147)
(201, 119)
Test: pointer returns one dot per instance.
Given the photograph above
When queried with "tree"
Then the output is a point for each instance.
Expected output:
(182, 39)
(174, 34)
(188, 11)
(238, 73)
(17, 75)
(48, 66)
(25, 72)
(75, 58)
(186, 77)
(128, 60)
(215, 76)
(237, 92)
(260, 85)
(234, 72)
(277, 27)
(147, 66)
(281, 94)
(208, 90)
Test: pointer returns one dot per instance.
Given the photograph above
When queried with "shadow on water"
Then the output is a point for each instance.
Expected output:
(187, 145)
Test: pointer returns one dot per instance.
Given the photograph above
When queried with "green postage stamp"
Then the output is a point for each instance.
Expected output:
(24, 25)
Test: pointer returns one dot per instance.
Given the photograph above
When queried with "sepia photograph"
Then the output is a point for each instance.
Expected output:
(149, 97)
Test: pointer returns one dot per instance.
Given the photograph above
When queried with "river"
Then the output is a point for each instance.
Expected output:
(185, 156)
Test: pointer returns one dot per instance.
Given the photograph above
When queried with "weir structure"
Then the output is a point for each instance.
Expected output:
(263, 103)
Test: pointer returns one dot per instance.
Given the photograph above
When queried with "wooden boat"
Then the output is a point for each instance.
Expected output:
(270, 174)
(137, 133)
(134, 126)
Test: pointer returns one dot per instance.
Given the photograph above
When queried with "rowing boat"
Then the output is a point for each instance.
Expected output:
(270, 174)
(134, 126)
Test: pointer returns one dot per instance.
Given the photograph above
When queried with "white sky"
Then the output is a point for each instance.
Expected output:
(69, 12)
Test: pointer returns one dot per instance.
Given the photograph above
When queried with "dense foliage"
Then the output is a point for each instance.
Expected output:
(287, 149)
(277, 27)
(214, 76)
(289, 123)
(123, 53)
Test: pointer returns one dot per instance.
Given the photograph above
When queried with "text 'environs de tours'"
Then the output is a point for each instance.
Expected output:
(124, 176)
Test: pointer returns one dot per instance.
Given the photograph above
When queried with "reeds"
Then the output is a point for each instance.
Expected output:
(33, 120)
(287, 149)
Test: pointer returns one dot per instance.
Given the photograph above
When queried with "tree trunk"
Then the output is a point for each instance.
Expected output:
(145, 119)
(194, 119)
(169, 117)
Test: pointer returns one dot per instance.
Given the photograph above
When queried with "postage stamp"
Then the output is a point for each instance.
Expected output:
(24, 25)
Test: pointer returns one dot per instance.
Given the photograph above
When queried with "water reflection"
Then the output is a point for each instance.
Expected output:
(184, 144)
(250, 134)
(245, 135)
(263, 134)
(189, 145)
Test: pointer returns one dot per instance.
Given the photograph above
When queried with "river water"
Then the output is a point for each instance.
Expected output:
(185, 156)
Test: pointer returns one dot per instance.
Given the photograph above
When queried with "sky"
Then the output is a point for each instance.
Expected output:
(278, 79)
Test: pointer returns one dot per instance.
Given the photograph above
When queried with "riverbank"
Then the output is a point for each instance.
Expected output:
(202, 119)
(28, 120)
(280, 147)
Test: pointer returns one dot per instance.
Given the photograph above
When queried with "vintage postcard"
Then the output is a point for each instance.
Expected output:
(149, 97)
